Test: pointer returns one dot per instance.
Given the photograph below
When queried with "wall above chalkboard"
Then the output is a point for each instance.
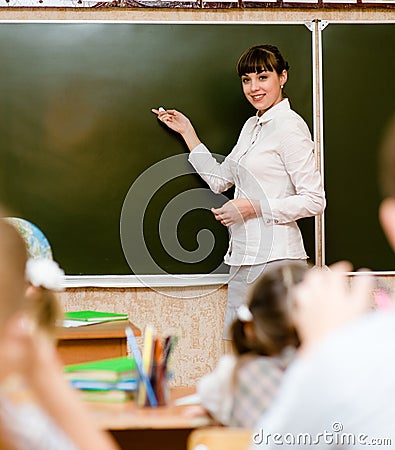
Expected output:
(204, 4)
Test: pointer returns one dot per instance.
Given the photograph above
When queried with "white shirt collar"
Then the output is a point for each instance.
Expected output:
(270, 113)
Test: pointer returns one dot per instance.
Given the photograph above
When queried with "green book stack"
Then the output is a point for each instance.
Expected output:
(114, 379)
(90, 316)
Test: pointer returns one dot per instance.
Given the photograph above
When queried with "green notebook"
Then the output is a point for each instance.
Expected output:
(106, 396)
(112, 370)
(92, 316)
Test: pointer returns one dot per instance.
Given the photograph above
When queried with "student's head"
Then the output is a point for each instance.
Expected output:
(44, 277)
(26, 285)
(13, 257)
(265, 325)
(387, 178)
(263, 72)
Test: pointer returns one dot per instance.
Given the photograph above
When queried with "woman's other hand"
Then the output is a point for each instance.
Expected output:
(236, 211)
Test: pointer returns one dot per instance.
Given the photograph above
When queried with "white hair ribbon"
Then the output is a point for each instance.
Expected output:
(45, 272)
(244, 314)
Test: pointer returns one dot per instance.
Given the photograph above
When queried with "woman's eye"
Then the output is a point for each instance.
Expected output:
(245, 80)
(263, 77)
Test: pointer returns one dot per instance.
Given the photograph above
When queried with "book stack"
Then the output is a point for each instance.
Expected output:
(88, 317)
(112, 380)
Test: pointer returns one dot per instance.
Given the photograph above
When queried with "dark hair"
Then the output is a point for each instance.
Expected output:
(387, 161)
(261, 57)
(270, 307)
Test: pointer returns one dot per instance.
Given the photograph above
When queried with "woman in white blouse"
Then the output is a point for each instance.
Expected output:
(273, 169)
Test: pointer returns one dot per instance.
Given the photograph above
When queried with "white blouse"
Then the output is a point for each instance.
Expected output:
(29, 428)
(273, 162)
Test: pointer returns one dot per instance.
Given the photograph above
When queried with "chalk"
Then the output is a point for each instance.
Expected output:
(161, 109)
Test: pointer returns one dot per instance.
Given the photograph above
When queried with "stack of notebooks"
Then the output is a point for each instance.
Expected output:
(113, 380)
(88, 317)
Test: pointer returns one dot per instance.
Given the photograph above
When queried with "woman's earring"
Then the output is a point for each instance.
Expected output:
(282, 86)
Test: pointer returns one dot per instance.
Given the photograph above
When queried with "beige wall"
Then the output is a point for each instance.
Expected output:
(194, 314)
(226, 15)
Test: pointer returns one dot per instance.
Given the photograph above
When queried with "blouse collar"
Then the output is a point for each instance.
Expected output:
(272, 112)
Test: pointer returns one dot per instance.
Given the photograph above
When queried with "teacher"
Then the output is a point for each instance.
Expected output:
(273, 169)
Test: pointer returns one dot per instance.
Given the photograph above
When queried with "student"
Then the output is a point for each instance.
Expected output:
(44, 277)
(241, 387)
(341, 392)
(38, 409)
(272, 168)
(387, 179)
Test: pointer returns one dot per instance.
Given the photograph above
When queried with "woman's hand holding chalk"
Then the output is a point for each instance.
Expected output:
(176, 121)
(161, 109)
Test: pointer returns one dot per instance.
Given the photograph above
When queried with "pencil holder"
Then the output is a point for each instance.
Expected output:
(153, 387)
(160, 386)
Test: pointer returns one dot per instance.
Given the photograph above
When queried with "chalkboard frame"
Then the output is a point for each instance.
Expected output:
(315, 26)
(302, 23)
(372, 178)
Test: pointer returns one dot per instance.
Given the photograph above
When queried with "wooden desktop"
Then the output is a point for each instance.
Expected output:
(93, 342)
(166, 427)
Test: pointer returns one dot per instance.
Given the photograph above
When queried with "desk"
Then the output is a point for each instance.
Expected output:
(92, 342)
(165, 428)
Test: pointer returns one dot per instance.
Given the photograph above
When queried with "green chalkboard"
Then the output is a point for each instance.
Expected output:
(77, 132)
(359, 99)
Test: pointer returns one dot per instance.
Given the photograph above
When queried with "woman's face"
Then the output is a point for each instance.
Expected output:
(263, 90)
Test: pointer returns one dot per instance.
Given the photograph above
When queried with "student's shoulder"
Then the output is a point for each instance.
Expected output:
(225, 365)
(258, 363)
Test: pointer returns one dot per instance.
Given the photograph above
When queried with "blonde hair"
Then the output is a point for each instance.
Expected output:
(40, 303)
(44, 309)
(45, 276)
(13, 256)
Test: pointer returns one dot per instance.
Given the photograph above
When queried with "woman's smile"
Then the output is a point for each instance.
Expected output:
(257, 97)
